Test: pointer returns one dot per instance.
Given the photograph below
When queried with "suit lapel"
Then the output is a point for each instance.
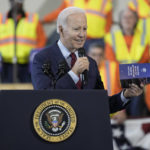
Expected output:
(59, 58)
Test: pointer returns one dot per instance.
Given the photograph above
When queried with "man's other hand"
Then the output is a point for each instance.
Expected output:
(134, 90)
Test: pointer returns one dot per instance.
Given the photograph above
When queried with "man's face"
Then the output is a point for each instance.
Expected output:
(128, 20)
(73, 35)
(97, 54)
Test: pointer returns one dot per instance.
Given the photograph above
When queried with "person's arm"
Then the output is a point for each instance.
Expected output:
(41, 37)
(119, 101)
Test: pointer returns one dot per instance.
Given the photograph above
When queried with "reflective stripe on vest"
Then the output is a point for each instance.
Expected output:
(95, 13)
(143, 33)
(19, 39)
(103, 6)
(26, 36)
(113, 42)
(121, 50)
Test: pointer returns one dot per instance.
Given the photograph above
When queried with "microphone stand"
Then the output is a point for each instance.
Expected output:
(46, 69)
(61, 71)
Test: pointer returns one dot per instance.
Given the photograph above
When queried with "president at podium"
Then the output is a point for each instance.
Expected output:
(65, 65)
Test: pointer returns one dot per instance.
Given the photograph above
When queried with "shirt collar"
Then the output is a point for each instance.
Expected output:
(65, 52)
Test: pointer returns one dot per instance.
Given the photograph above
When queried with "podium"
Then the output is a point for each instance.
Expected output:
(93, 130)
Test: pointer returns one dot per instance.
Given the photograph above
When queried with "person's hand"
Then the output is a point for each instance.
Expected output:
(80, 65)
(134, 90)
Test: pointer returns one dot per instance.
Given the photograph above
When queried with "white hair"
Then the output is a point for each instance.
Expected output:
(62, 17)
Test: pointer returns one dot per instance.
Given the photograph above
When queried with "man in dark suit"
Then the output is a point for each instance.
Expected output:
(60, 67)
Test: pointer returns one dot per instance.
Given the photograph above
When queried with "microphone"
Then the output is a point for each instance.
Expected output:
(61, 69)
(81, 52)
(47, 70)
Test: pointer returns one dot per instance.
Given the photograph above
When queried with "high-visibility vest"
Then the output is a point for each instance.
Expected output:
(143, 11)
(25, 38)
(141, 7)
(96, 11)
(123, 55)
(110, 77)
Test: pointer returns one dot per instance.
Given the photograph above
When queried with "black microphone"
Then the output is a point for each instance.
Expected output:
(81, 52)
(61, 69)
(47, 70)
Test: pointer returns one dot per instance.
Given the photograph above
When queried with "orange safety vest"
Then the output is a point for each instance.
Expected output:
(96, 11)
(26, 36)
(123, 55)
(110, 77)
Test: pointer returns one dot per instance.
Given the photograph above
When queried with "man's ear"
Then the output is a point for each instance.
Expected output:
(61, 30)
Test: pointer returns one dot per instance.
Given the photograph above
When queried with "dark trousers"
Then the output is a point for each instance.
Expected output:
(23, 74)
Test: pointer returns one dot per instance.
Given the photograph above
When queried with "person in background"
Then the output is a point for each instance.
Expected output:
(109, 70)
(29, 35)
(128, 45)
(99, 17)
(72, 28)
(142, 8)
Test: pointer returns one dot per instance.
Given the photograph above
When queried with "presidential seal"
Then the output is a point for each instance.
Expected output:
(54, 120)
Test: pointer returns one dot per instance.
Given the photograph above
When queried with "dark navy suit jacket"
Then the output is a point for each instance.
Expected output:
(53, 56)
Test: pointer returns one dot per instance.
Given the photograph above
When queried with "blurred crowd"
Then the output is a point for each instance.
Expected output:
(22, 35)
